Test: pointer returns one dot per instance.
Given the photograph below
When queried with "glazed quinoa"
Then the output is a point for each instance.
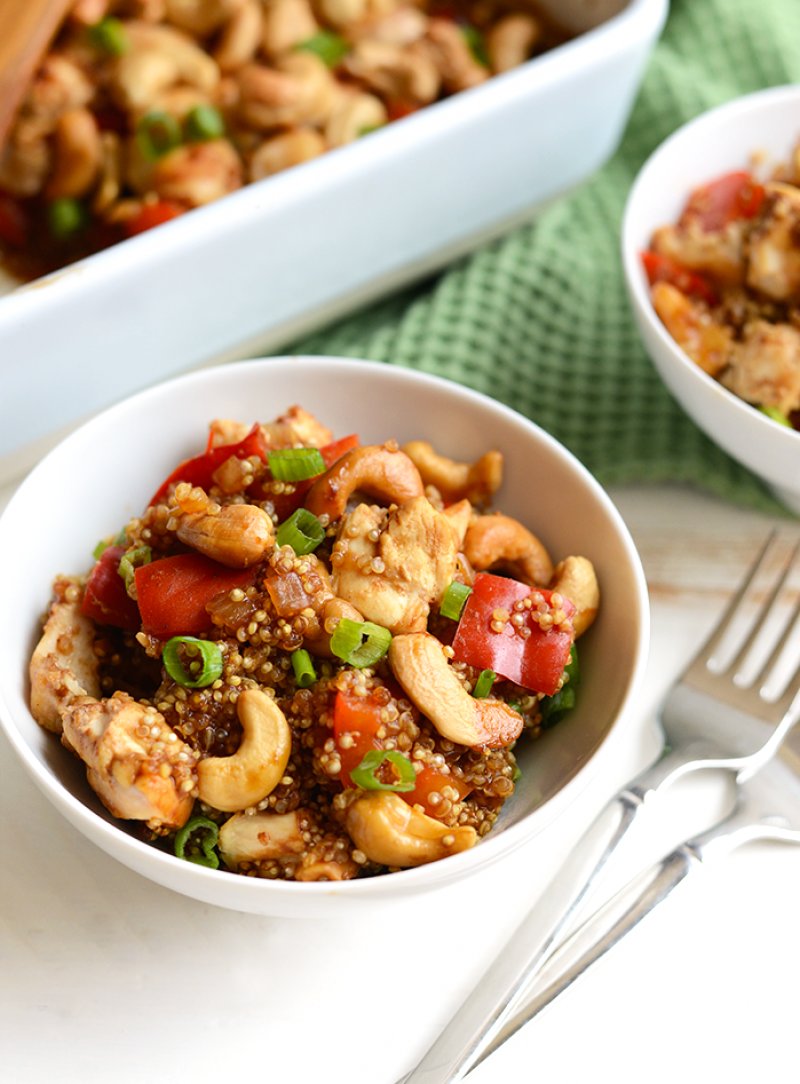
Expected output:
(311, 659)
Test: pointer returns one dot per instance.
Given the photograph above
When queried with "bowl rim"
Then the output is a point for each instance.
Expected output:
(647, 180)
(148, 860)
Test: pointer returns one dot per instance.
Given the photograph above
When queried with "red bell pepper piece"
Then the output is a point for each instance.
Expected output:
(173, 592)
(430, 781)
(356, 719)
(535, 661)
(730, 197)
(152, 214)
(105, 599)
(198, 471)
(661, 268)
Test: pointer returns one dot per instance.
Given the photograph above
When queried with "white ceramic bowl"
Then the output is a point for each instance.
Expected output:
(104, 473)
(767, 123)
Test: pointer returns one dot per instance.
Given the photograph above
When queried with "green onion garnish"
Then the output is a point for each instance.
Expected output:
(516, 774)
(156, 134)
(454, 599)
(110, 36)
(553, 708)
(360, 643)
(776, 415)
(483, 686)
(129, 562)
(202, 123)
(205, 664)
(364, 775)
(303, 667)
(66, 217)
(295, 464)
(301, 530)
(195, 842)
(477, 44)
(329, 47)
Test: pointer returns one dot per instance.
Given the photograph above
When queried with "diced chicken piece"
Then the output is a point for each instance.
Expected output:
(774, 251)
(136, 763)
(719, 253)
(64, 664)
(392, 566)
(690, 325)
(297, 426)
(765, 366)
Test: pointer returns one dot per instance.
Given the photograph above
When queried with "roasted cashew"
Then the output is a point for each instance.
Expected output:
(63, 665)
(395, 71)
(285, 150)
(258, 836)
(24, 163)
(476, 481)
(575, 579)
(159, 57)
(255, 769)
(239, 40)
(329, 616)
(390, 831)
(342, 13)
(108, 185)
(297, 89)
(237, 536)
(453, 57)
(511, 40)
(201, 17)
(402, 26)
(498, 541)
(287, 23)
(418, 662)
(77, 155)
(198, 173)
(354, 115)
(380, 471)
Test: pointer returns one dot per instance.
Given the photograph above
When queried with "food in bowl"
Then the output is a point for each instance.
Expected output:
(310, 659)
(725, 282)
(145, 109)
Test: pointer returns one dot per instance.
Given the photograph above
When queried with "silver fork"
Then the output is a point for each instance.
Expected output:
(711, 719)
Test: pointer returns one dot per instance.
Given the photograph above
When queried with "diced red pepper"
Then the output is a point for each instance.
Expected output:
(730, 197)
(152, 214)
(535, 661)
(397, 108)
(356, 720)
(661, 268)
(173, 592)
(430, 781)
(105, 599)
(198, 471)
(14, 224)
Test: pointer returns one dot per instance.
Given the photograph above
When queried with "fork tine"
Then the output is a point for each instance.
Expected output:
(757, 624)
(776, 655)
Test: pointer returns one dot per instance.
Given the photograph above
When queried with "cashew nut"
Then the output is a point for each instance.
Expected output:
(297, 89)
(476, 481)
(255, 769)
(395, 71)
(575, 578)
(420, 666)
(498, 541)
(63, 665)
(239, 40)
(198, 173)
(402, 26)
(287, 23)
(254, 837)
(77, 155)
(390, 831)
(329, 616)
(285, 150)
(159, 57)
(355, 115)
(201, 17)
(382, 472)
(453, 57)
(237, 536)
(511, 40)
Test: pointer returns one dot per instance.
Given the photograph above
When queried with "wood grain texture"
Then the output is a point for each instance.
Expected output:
(26, 29)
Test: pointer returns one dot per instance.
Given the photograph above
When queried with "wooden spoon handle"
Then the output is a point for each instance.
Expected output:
(26, 29)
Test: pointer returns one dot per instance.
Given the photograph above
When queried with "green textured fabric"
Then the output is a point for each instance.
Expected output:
(541, 318)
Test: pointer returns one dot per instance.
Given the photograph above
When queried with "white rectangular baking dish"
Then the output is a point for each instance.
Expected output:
(247, 274)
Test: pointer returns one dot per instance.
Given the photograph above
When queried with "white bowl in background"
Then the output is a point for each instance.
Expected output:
(254, 270)
(105, 472)
(766, 124)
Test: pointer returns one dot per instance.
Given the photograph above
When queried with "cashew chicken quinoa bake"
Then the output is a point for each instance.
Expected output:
(311, 659)
(145, 109)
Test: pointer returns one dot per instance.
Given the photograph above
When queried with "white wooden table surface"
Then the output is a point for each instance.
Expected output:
(106, 977)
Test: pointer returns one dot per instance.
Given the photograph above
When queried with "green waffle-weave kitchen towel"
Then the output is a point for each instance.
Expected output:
(540, 319)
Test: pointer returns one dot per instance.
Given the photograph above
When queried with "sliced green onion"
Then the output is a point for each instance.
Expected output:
(303, 667)
(195, 842)
(516, 774)
(110, 36)
(368, 129)
(100, 548)
(329, 47)
(776, 415)
(360, 643)
(295, 464)
(66, 217)
(483, 686)
(129, 562)
(364, 775)
(454, 600)
(205, 665)
(156, 134)
(554, 708)
(202, 123)
(301, 530)
(477, 44)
